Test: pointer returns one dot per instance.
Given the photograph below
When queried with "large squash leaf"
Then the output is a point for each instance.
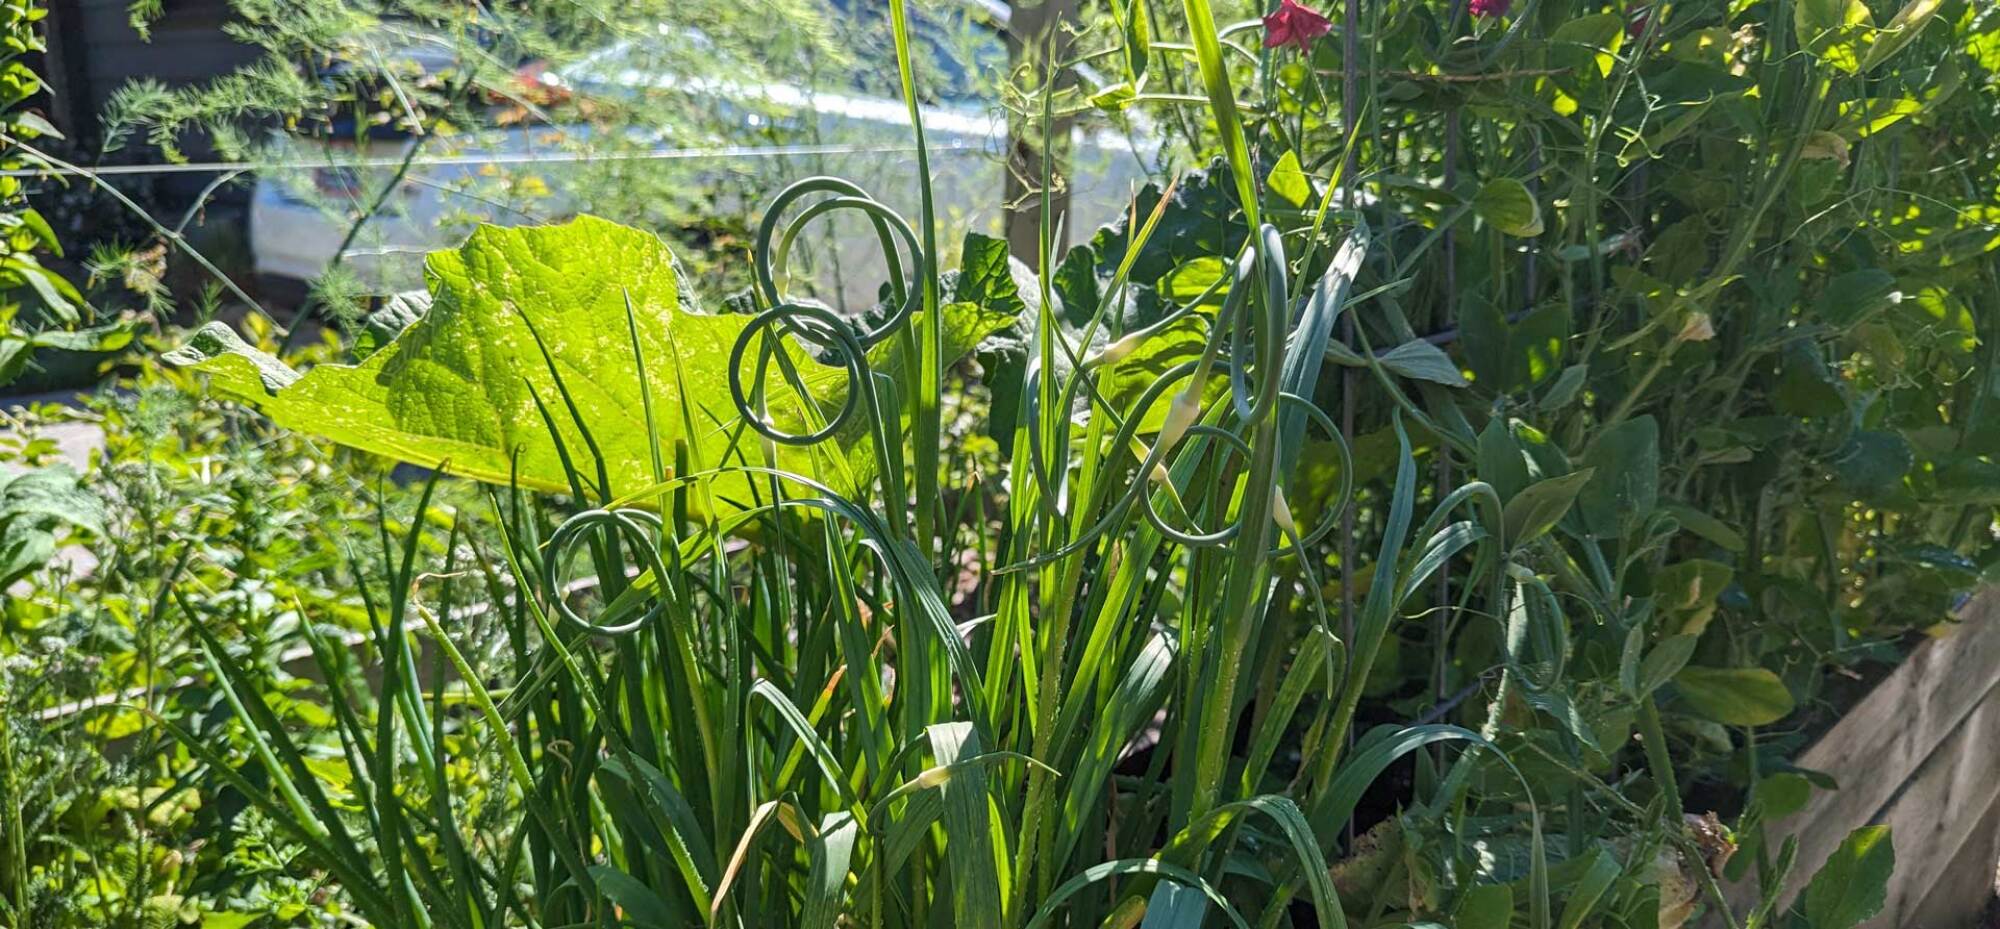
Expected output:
(457, 389)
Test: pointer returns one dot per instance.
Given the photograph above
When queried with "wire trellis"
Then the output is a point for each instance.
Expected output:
(479, 160)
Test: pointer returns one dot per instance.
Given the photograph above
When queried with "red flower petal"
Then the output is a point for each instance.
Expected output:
(1636, 26)
(1294, 24)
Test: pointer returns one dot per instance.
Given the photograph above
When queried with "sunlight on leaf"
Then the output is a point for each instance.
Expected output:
(457, 389)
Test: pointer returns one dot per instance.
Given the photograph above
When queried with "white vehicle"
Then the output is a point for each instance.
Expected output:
(841, 132)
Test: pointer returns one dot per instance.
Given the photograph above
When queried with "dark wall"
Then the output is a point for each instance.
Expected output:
(93, 50)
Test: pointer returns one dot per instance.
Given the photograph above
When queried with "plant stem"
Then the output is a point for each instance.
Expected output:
(172, 236)
(354, 231)
(1657, 760)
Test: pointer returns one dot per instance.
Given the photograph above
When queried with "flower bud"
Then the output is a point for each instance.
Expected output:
(1181, 415)
(1117, 351)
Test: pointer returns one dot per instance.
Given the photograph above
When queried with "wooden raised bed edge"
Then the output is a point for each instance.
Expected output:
(1920, 754)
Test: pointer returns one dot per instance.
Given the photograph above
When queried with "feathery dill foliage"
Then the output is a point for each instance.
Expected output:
(375, 89)
(334, 73)
(110, 825)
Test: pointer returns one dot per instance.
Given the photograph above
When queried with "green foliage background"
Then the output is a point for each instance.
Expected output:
(1497, 453)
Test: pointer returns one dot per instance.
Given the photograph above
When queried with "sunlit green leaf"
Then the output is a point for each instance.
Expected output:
(1736, 696)
(1187, 282)
(1289, 182)
(1853, 884)
(457, 390)
(1509, 207)
(1834, 30)
(1900, 31)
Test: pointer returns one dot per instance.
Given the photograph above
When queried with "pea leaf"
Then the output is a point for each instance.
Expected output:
(1541, 505)
(1509, 207)
(1862, 118)
(1782, 794)
(1507, 356)
(1735, 696)
(457, 388)
(1627, 460)
(1501, 461)
(1585, 50)
(1706, 526)
(1685, 593)
(1289, 182)
(1422, 361)
(1666, 660)
(1805, 386)
(1568, 384)
(1833, 30)
(1487, 906)
(1871, 463)
(1851, 298)
(1851, 887)
(1116, 97)
(1135, 23)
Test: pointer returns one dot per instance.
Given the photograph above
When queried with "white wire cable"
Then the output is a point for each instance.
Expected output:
(500, 158)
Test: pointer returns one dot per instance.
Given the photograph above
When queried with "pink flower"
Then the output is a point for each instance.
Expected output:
(1487, 8)
(1294, 24)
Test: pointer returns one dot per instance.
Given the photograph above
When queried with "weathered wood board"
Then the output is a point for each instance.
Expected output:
(1920, 754)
